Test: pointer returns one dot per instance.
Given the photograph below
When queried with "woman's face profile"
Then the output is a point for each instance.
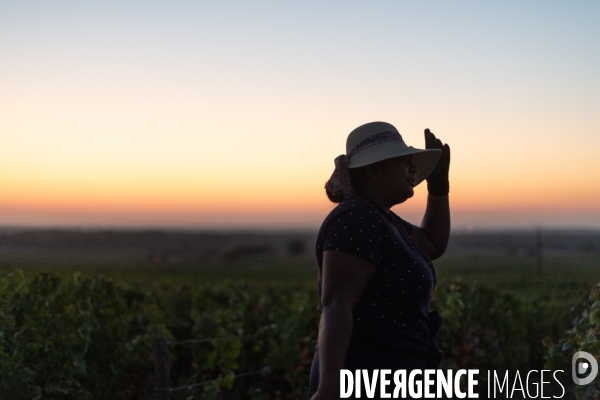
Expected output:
(399, 178)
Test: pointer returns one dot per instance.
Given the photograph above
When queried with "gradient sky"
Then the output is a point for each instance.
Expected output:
(229, 114)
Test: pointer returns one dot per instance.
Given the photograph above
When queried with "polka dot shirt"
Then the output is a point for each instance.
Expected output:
(392, 310)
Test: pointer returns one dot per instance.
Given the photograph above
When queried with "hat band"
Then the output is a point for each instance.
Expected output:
(379, 138)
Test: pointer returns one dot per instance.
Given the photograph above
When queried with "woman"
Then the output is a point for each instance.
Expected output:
(375, 273)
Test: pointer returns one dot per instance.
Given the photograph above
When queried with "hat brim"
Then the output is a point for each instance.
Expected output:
(424, 159)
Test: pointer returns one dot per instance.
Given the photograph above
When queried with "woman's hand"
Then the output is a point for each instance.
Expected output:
(437, 181)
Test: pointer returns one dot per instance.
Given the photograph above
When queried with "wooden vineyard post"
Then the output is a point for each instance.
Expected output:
(162, 384)
(538, 246)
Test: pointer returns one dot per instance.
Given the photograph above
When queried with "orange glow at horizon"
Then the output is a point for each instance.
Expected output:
(255, 204)
(239, 191)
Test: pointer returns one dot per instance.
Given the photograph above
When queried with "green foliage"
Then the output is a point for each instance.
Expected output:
(252, 326)
(484, 328)
(66, 339)
(88, 337)
(583, 336)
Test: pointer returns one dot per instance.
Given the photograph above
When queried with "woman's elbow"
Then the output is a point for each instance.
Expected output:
(436, 252)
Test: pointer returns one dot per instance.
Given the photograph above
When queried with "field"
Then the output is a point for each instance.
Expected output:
(561, 266)
(241, 302)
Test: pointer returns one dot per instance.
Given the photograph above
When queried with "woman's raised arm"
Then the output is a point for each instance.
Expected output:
(432, 237)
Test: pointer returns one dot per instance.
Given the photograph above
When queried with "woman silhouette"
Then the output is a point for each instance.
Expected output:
(375, 277)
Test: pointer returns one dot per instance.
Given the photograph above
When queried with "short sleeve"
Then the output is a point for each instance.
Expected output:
(355, 231)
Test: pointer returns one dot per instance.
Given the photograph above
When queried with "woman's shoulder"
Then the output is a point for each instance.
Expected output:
(354, 227)
(354, 214)
(352, 208)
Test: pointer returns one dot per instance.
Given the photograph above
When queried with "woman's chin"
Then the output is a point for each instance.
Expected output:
(405, 197)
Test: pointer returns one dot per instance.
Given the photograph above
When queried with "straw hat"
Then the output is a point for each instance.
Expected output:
(378, 141)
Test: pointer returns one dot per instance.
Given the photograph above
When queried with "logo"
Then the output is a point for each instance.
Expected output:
(579, 368)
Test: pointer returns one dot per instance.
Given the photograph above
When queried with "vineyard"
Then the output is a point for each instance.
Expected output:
(90, 335)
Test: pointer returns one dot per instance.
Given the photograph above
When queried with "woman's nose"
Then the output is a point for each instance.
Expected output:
(412, 168)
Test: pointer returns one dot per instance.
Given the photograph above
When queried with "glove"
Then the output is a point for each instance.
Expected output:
(437, 181)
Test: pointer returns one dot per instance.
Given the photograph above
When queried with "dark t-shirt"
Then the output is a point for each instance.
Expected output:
(392, 312)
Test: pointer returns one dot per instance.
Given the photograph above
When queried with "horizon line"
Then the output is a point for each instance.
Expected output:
(291, 229)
